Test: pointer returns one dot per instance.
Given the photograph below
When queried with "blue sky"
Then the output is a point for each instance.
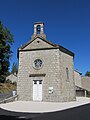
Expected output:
(67, 22)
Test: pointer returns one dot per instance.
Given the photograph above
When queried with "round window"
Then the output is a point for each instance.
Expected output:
(38, 63)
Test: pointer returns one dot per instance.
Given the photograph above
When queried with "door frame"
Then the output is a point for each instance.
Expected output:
(37, 87)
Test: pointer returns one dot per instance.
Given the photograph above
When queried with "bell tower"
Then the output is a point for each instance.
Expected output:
(39, 30)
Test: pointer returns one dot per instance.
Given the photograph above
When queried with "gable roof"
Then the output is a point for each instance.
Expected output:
(54, 46)
(47, 41)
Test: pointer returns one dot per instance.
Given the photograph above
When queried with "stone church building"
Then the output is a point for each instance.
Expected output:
(46, 70)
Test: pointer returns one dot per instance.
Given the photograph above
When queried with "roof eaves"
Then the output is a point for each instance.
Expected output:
(30, 41)
(66, 51)
(78, 72)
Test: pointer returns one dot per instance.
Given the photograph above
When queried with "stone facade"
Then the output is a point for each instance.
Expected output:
(57, 71)
(77, 78)
(80, 91)
(85, 82)
(82, 82)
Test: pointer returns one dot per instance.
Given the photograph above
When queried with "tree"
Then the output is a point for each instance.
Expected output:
(6, 40)
(14, 68)
(87, 73)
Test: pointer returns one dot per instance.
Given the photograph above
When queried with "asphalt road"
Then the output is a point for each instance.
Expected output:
(77, 113)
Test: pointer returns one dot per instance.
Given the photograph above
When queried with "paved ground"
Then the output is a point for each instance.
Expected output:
(41, 107)
(77, 113)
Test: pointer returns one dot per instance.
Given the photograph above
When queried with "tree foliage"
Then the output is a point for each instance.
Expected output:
(14, 68)
(6, 40)
(87, 73)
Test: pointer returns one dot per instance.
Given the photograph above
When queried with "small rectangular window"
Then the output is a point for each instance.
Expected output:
(67, 74)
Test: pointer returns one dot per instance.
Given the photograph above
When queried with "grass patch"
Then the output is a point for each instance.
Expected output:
(7, 87)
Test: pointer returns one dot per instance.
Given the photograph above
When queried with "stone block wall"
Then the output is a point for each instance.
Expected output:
(68, 85)
(54, 68)
(77, 78)
(85, 83)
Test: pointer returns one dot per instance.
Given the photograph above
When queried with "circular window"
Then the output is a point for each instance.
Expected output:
(38, 63)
